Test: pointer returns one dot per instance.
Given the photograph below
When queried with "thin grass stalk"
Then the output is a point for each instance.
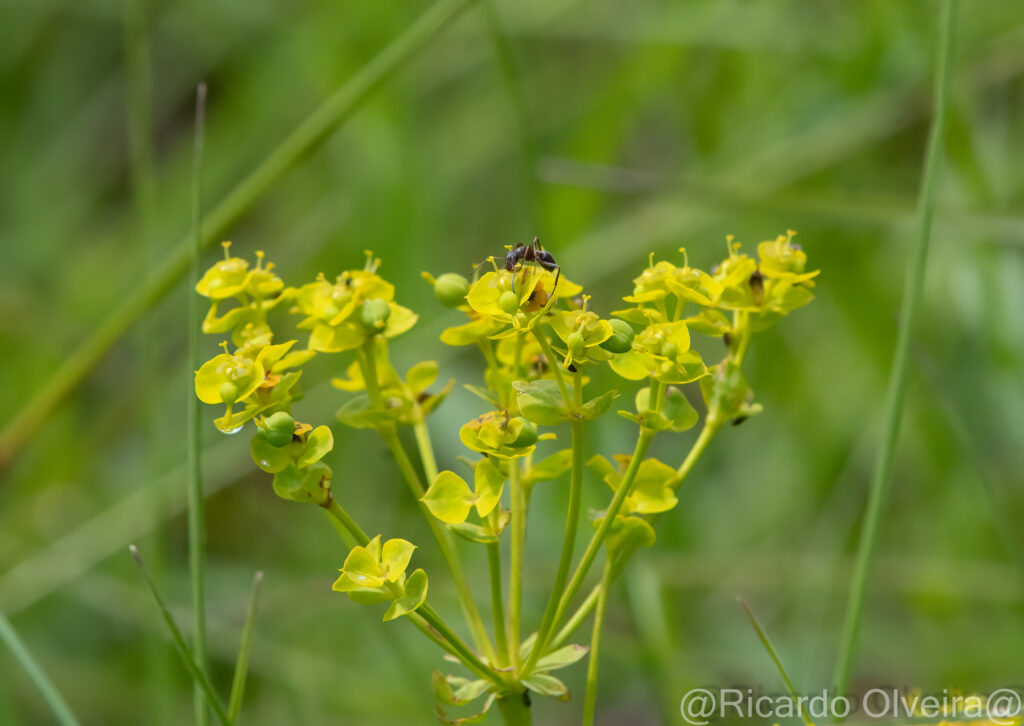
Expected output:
(190, 663)
(196, 501)
(307, 137)
(51, 695)
(882, 474)
(139, 118)
(242, 661)
(767, 643)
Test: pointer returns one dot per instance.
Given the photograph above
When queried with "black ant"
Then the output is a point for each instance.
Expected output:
(532, 252)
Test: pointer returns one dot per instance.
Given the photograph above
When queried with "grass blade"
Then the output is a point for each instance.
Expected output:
(196, 501)
(56, 702)
(242, 662)
(309, 135)
(191, 665)
(882, 475)
(756, 624)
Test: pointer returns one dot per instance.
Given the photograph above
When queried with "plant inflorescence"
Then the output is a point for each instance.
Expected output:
(541, 342)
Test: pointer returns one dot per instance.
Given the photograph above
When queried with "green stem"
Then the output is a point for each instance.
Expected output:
(590, 701)
(497, 601)
(577, 618)
(882, 473)
(196, 513)
(571, 520)
(597, 540)
(426, 448)
(555, 365)
(515, 709)
(446, 545)
(345, 520)
(435, 637)
(518, 544)
(697, 450)
(450, 642)
(462, 650)
(310, 134)
(50, 693)
(368, 364)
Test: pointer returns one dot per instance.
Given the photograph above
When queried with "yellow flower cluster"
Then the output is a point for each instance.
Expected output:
(359, 304)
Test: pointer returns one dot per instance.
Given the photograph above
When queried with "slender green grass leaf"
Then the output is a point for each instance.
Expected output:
(179, 641)
(763, 636)
(196, 501)
(882, 474)
(53, 698)
(242, 662)
(309, 136)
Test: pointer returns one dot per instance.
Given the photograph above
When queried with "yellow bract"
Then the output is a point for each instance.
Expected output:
(518, 298)
(581, 331)
(373, 566)
(231, 277)
(499, 435)
(335, 312)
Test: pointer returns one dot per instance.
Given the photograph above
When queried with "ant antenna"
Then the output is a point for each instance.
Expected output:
(489, 259)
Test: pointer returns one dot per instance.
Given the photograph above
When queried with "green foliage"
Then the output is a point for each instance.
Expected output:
(637, 152)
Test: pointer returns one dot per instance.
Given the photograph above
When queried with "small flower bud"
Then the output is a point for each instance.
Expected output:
(450, 289)
(374, 314)
(509, 302)
(621, 340)
(228, 392)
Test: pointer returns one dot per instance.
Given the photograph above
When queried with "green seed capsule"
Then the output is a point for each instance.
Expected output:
(374, 314)
(228, 392)
(527, 435)
(669, 350)
(509, 302)
(621, 339)
(450, 289)
(281, 421)
(279, 428)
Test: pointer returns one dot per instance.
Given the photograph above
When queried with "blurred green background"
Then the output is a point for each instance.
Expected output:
(611, 130)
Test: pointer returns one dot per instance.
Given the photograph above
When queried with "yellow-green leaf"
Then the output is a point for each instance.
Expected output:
(489, 482)
(449, 498)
